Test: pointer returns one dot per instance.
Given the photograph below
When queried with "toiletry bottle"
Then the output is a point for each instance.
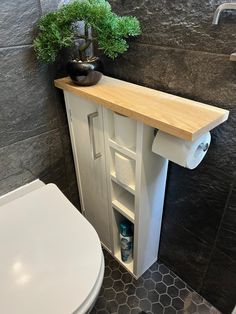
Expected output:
(126, 241)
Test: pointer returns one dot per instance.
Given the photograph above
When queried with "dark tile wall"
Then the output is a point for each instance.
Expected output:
(182, 53)
(34, 139)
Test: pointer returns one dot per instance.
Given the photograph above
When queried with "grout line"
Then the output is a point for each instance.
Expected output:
(30, 137)
(16, 46)
(138, 43)
(40, 8)
(182, 49)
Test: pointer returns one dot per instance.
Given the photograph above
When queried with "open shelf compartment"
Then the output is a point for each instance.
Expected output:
(123, 201)
(129, 188)
(118, 218)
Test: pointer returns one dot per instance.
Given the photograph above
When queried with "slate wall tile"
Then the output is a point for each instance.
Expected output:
(196, 199)
(28, 105)
(18, 22)
(220, 285)
(182, 251)
(49, 5)
(226, 239)
(67, 151)
(182, 24)
(199, 76)
(73, 194)
(61, 108)
(37, 157)
(34, 138)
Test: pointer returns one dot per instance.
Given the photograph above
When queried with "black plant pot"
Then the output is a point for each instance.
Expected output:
(85, 73)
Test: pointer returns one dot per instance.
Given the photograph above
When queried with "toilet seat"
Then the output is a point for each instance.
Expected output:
(50, 259)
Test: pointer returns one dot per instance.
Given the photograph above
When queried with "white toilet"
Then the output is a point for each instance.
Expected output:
(51, 261)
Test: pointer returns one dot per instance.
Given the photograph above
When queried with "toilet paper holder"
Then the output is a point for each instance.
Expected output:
(188, 154)
(204, 146)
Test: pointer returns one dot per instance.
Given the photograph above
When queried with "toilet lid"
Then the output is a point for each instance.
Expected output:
(50, 255)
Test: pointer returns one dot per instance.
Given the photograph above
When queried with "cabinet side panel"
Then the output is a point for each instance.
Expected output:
(107, 134)
(72, 138)
(151, 173)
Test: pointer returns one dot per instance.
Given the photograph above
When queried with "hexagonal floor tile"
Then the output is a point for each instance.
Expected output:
(133, 301)
(145, 305)
(169, 310)
(147, 274)
(126, 278)
(107, 282)
(130, 289)
(165, 300)
(157, 308)
(149, 284)
(116, 274)
(177, 303)
(157, 291)
(161, 287)
(121, 297)
(179, 283)
(153, 296)
(118, 285)
(107, 271)
(112, 306)
(173, 291)
(138, 282)
(156, 276)
(124, 309)
(109, 294)
(141, 293)
(168, 280)
(163, 269)
(184, 293)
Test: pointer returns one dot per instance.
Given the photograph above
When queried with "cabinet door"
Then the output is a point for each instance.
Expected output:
(87, 136)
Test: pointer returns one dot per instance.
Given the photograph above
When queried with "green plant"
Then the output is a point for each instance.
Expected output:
(58, 30)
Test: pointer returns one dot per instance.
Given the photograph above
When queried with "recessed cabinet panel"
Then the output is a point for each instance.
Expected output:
(86, 127)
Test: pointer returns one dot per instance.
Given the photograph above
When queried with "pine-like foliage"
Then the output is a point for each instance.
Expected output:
(110, 31)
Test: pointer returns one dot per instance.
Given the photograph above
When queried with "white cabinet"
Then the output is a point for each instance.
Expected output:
(106, 199)
(87, 136)
(118, 175)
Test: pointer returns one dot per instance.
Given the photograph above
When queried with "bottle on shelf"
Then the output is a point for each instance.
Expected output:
(126, 241)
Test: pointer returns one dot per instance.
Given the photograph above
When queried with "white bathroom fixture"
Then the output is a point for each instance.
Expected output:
(233, 56)
(119, 177)
(184, 153)
(220, 9)
(51, 257)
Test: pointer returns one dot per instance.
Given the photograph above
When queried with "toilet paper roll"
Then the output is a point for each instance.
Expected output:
(125, 130)
(184, 153)
(125, 169)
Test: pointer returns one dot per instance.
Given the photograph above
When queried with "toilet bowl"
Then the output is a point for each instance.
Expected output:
(51, 261)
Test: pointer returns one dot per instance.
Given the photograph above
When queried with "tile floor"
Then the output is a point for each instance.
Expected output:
(158, 291)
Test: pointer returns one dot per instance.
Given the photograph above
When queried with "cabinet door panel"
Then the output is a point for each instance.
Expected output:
(88, 140)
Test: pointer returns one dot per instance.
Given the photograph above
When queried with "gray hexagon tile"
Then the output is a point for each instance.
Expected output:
(158, 291)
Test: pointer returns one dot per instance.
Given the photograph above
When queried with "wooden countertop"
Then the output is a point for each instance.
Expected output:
(181, 117)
